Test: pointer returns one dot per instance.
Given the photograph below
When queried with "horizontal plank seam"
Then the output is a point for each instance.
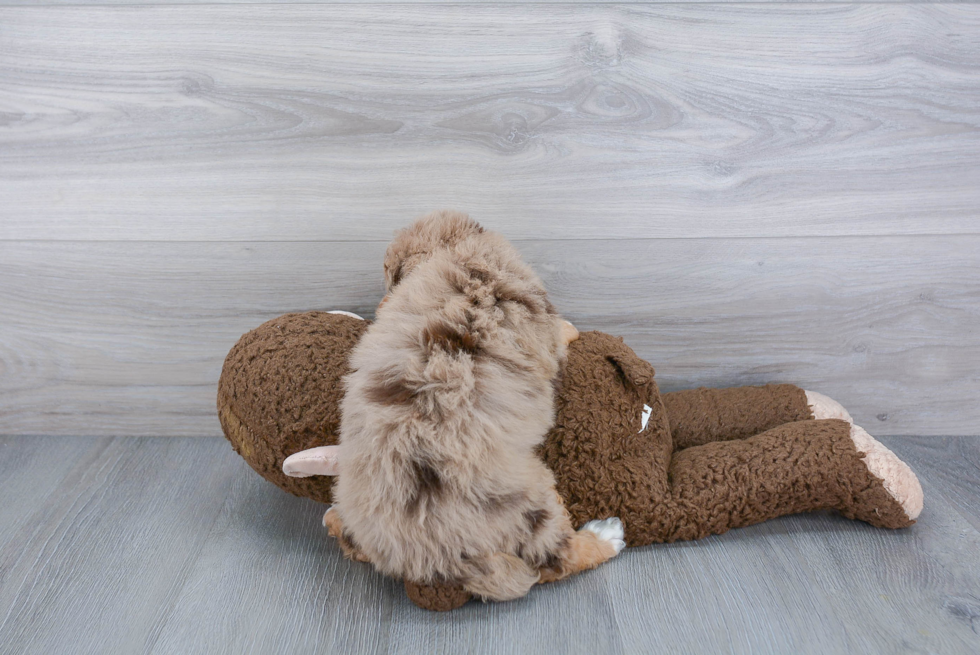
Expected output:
(213, 435)
(218, 435)
(516, 239)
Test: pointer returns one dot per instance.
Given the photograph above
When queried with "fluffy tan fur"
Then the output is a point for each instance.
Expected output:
(451, 390)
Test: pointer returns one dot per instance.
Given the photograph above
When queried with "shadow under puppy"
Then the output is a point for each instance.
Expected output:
(450, 392)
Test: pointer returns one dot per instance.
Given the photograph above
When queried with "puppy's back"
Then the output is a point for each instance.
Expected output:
(449, 394)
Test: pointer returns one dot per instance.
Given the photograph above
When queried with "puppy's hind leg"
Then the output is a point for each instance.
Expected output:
(500, 576)
(335, 528)
(595, 543)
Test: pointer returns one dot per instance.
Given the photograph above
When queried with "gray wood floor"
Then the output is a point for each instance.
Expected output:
(173, 545)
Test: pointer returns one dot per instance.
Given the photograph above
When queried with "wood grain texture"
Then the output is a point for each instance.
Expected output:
(117, 338)
(102, 557)
(129, 338)
(269, 550)
(31, 470)
(864, 573)
(330, 122)
(175, 546)
(814, 583)
(952, 466)
(42, 3)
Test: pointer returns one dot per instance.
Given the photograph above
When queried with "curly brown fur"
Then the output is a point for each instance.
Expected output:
(450, 392)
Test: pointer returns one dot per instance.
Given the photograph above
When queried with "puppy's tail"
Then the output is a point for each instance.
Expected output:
(500, 577)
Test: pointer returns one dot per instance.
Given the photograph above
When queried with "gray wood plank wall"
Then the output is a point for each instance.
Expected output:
(747, 193)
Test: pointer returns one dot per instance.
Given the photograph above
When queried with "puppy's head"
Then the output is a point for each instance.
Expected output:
(416, 243)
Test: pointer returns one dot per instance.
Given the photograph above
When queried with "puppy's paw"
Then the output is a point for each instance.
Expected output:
(609, 530)
(331, 521)
(335, 528)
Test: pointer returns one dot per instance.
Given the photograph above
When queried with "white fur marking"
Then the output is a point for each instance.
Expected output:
(898, 478)
(610, 530)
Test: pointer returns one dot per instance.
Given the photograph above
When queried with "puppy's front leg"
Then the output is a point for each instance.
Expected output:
(595, 543)
(335, 528)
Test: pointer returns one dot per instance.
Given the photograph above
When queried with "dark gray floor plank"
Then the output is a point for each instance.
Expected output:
(574, 616)
(270, 580)
(733, 593)
(891, 591)
(951, 464)
(176, 546)
(815, 583)
(31, 469)
(107, 551)
(37, 3)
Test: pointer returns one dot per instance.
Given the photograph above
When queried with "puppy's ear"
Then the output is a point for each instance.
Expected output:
(415, 243)
(313, 461)
(393, 268)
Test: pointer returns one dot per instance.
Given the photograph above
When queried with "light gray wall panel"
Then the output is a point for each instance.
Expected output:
(124, 338)
(40, 3)
(328, 122)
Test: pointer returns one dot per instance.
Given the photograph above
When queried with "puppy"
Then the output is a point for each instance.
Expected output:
(451, 390)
